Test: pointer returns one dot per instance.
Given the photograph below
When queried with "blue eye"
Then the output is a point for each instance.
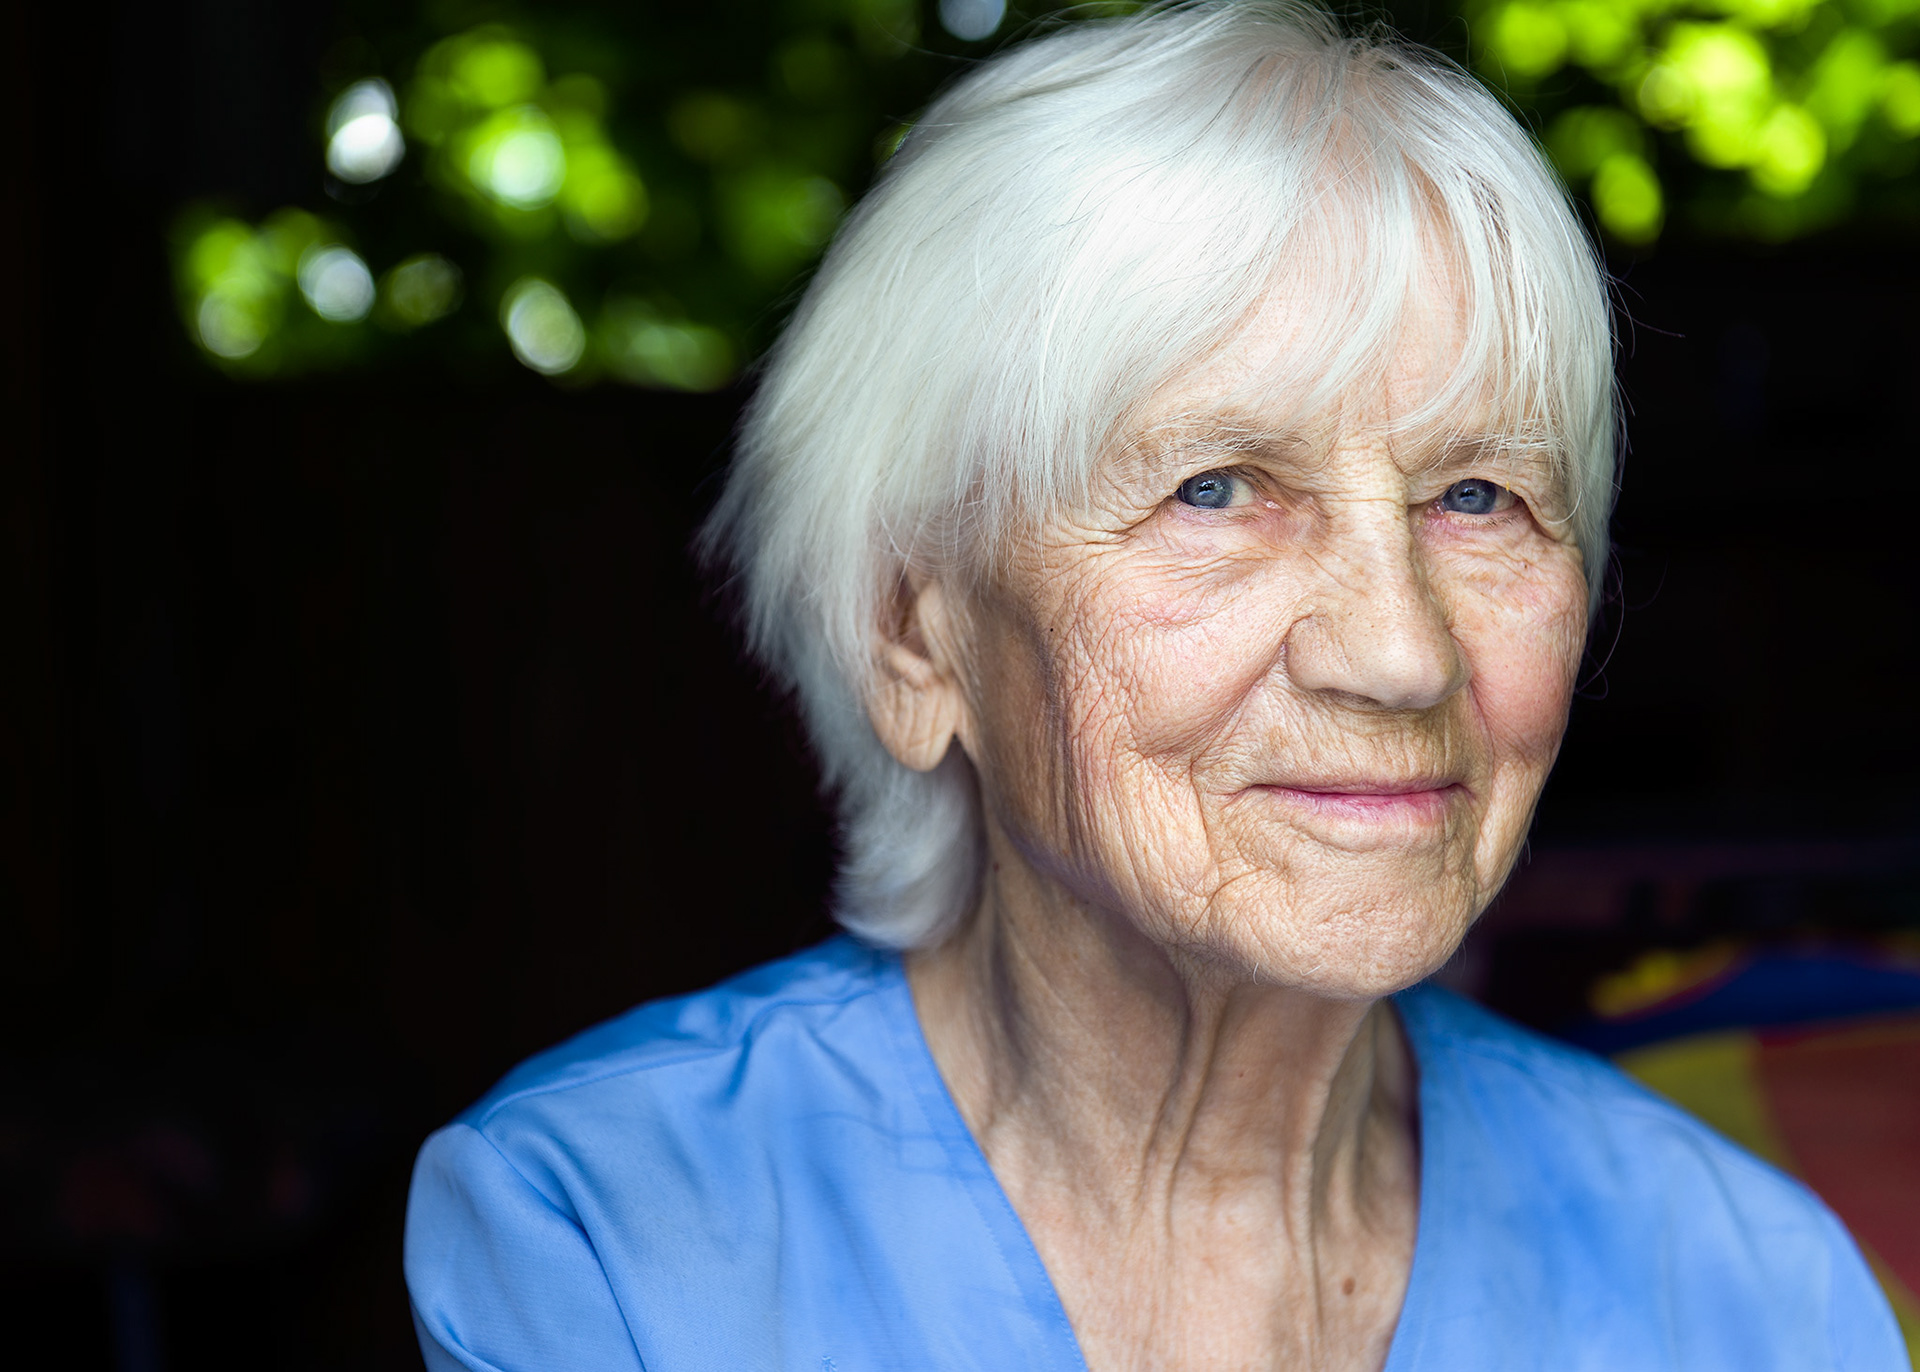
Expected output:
(1474, 496)
(1208, 491)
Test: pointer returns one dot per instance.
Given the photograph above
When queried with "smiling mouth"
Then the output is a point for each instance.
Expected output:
(1400, 800)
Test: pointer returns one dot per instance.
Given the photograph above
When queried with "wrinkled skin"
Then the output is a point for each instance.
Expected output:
(1246, 769)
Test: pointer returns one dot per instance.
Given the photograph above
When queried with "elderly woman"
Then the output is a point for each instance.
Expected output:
(1176, 505)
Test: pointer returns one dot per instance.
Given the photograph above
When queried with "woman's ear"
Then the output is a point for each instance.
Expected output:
(917, 704)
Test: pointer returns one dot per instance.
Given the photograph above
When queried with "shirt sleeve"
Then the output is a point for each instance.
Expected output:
(503, 1279)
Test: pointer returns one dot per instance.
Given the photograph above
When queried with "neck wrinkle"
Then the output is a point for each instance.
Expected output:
(1134, 1078)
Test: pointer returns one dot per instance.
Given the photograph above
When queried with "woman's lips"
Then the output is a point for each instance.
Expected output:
(1401, 801)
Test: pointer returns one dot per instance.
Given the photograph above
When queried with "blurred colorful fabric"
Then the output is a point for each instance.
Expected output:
(1810, 1059)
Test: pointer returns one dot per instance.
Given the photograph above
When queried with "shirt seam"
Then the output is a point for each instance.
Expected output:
(676, 1060)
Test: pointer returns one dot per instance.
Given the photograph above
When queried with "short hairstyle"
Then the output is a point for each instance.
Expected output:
(1072, 227)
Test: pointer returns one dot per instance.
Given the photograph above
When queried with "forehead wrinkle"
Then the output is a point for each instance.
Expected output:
(1465, 451)
(1226, 434)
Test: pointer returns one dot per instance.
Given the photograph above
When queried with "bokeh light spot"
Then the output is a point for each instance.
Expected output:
(541, 326)
(972, 20)
(1846, 79)
(1627, 199)
(1600, 33)
(422, 289)
(1792, 150)
(1584, 137)
(363, 133)
(603, 197)
(518, 159)
(235, 280)
(1530, 39)
(231, 327)
(222, 251)
(645, 348)
(494, 73)
(1900, 99)
(1663, 97)
(336, 283)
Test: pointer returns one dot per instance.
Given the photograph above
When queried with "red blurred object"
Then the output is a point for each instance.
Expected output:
(1847, 1101)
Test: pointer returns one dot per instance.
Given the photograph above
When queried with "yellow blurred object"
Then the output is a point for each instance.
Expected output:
(1657, 975)
(1713, 1076)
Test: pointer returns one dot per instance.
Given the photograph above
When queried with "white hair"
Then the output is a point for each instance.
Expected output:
(1071, 228)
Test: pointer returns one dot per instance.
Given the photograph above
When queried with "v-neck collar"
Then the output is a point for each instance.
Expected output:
(1015, 1245)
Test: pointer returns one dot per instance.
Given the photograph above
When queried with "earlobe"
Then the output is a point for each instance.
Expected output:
(916, 703)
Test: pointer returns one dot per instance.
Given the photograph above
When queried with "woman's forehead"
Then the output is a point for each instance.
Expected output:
(1351, 334)
(1283, 390)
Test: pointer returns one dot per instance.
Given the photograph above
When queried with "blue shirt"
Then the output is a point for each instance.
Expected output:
(771, 1175)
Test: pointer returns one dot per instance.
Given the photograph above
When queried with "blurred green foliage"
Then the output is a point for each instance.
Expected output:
(633, 192)
(624, 192)
(1767, 119)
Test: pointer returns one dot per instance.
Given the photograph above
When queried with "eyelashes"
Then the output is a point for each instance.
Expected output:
(1477, 496)
(1216, 490)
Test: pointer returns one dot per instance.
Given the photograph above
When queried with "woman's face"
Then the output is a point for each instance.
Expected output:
(1284, 704)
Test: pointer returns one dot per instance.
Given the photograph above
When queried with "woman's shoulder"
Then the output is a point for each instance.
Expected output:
(762, 1008)
(661, 1065)
(1533, 1096)
(701, 1077)
(640, 1163)
(1563, 1185)
(766, 1174)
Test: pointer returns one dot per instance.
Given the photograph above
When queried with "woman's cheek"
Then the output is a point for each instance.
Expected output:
(1522, 626)
(1183, 653)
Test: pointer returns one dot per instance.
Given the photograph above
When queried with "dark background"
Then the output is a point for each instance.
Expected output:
(364, 734)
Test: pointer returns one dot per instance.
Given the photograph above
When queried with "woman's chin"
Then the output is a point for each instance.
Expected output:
(1337, 951)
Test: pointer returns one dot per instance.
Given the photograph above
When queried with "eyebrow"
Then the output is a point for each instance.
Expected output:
(1497, 450)
(1220, 433)
(1229, 436)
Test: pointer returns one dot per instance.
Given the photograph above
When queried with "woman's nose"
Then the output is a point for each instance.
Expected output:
(1374, 630)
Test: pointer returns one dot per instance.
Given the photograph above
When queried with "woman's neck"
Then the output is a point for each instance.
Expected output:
(1213, 1170)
